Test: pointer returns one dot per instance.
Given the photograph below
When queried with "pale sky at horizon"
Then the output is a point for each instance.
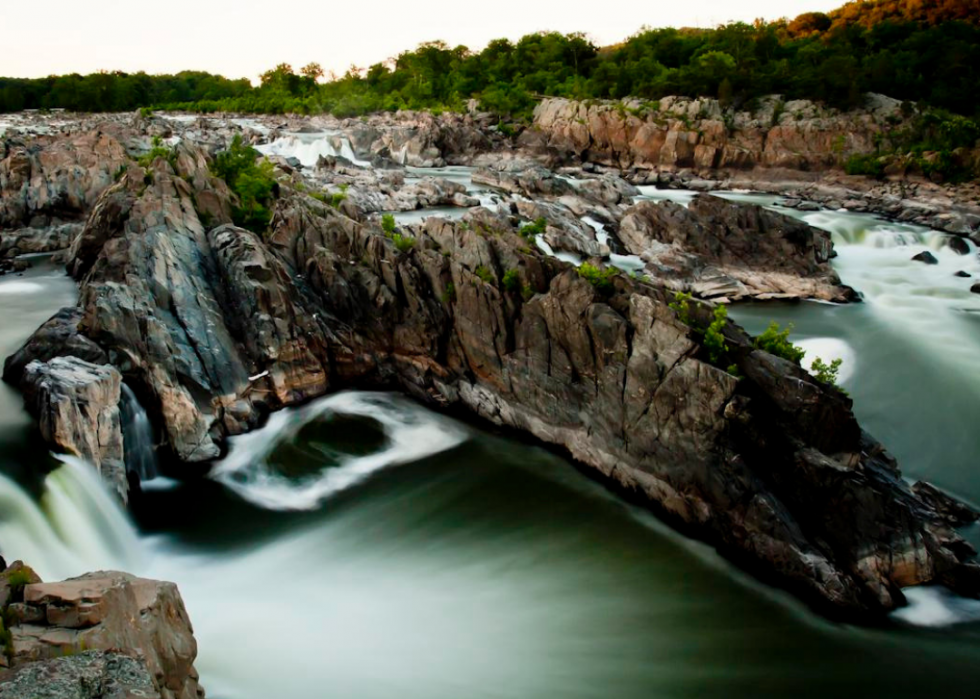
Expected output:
(243, 38)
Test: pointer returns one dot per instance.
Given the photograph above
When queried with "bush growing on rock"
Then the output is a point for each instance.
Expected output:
(776, 341)
(601, 279)
(484, 273)
(827, 373)
(253, 182)
(512, 280)
(158, 151)
(532, 230)
(388, 225)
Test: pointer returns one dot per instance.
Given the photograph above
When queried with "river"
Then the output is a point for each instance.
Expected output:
(366, 547)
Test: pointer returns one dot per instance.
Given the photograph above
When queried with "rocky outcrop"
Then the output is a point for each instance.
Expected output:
(217, 325)
(717, 248)
(678, 132)
(76, 404)
(138, 628)
(57, 178)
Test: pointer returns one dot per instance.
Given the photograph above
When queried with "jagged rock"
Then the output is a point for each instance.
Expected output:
(77, 407)
(58, 337)
(107, 611)
(87, 675)
(57, 178)
(720, 248)
(926, 257)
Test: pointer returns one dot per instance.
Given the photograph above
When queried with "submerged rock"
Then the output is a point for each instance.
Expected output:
(925, 257)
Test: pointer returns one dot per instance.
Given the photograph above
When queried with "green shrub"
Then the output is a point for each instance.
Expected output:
(601, 279)
(252, 182)
(681, 305)
(449, 294)
(146, 112)
(388, 224)
(527, 292)
(869, 165)
(484, 273)
(826, 373)
(776, 341)
(158, 151)
(512, 280)
(531, 230)
(714, 335)
(403, 243)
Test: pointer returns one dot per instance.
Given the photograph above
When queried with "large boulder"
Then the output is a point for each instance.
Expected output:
(717, 248)
(77, 407)
(106, 611)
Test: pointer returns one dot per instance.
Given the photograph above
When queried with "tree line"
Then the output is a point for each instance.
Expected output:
(919, 50)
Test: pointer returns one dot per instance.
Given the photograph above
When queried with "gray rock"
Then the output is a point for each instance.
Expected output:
(926, 257)
(77, 407)
(87, 675)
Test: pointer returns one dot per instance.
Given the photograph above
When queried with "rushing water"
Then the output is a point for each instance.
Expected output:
(365, 547)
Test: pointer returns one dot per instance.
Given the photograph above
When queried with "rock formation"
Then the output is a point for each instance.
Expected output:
(125, 634)
(76, 404)
(718, 248)
(218, 325)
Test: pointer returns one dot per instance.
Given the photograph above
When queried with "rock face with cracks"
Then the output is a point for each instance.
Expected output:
(215, 326)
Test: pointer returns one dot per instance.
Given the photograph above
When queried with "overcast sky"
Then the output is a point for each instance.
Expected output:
(242, 38)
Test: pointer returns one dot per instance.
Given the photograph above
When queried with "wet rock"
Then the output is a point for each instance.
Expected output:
(963, 275)
(959, 245)
(76, 404)
(975, 288)
(926, 257)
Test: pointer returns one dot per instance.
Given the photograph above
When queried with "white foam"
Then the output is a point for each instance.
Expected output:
(20, 287)
(678, 196)
(412, 434)
(308, 148)
(935, 607)
(77, 527)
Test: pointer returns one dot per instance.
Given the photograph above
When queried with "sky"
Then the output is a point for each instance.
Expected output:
(243, 38)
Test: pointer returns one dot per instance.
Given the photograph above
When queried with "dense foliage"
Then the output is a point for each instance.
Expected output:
(908, 49)
(253, 182)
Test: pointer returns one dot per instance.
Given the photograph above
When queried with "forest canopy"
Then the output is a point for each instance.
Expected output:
(920, 50)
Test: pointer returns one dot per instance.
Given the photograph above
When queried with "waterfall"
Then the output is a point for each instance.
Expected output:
(75, 527)
(137, 437)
